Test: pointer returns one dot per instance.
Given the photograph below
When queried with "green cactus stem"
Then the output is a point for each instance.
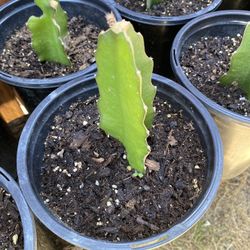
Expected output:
(239, 72)
(49, 32)
(126, 92)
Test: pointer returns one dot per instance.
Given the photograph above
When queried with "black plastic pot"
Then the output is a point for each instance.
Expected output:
(31, 150)
(8, 148)
(159, 32)
(29, 229)
(235, 5)
(234, 128)
(16, 13)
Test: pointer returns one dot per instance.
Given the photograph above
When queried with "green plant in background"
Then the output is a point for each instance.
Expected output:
(49, 32)
(239, 72)
(150, 3)
(126, 92)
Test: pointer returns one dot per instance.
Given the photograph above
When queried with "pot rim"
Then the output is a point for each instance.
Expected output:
(82, 241)
(51, 82)
(179, 72)
(27, 220)
(163, 20)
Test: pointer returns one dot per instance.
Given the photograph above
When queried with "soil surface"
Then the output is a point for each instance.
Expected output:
(167, 7)
(205, 61)
(85, 179)
(11, 235)
(18, 58)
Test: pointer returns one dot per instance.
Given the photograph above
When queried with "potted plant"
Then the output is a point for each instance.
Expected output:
(200, 57)
(17, 230)
(235, 5)
(140, 190)
(35, 79)
(159, 22)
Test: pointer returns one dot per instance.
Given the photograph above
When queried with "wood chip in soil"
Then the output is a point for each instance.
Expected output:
(167, 7)
(11, 234)
(205, 61)
(18, 58)
(87, 185)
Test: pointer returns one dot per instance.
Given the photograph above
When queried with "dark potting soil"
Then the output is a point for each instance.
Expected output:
(205, 61)
(18, 58)
(11, 235)
(86, 183)
(167, 7)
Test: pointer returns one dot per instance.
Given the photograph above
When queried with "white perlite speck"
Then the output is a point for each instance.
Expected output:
(84, 123)
(109, 204)
(15, 239)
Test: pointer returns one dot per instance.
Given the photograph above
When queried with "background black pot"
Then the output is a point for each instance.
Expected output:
(235, 5)
(159, 32)
(29, 229)
(8, 147)
(234, 128)
(31, 151)
(16, 13)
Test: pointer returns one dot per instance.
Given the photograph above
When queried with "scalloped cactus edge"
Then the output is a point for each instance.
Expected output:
(49, 32)
(126, 92)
